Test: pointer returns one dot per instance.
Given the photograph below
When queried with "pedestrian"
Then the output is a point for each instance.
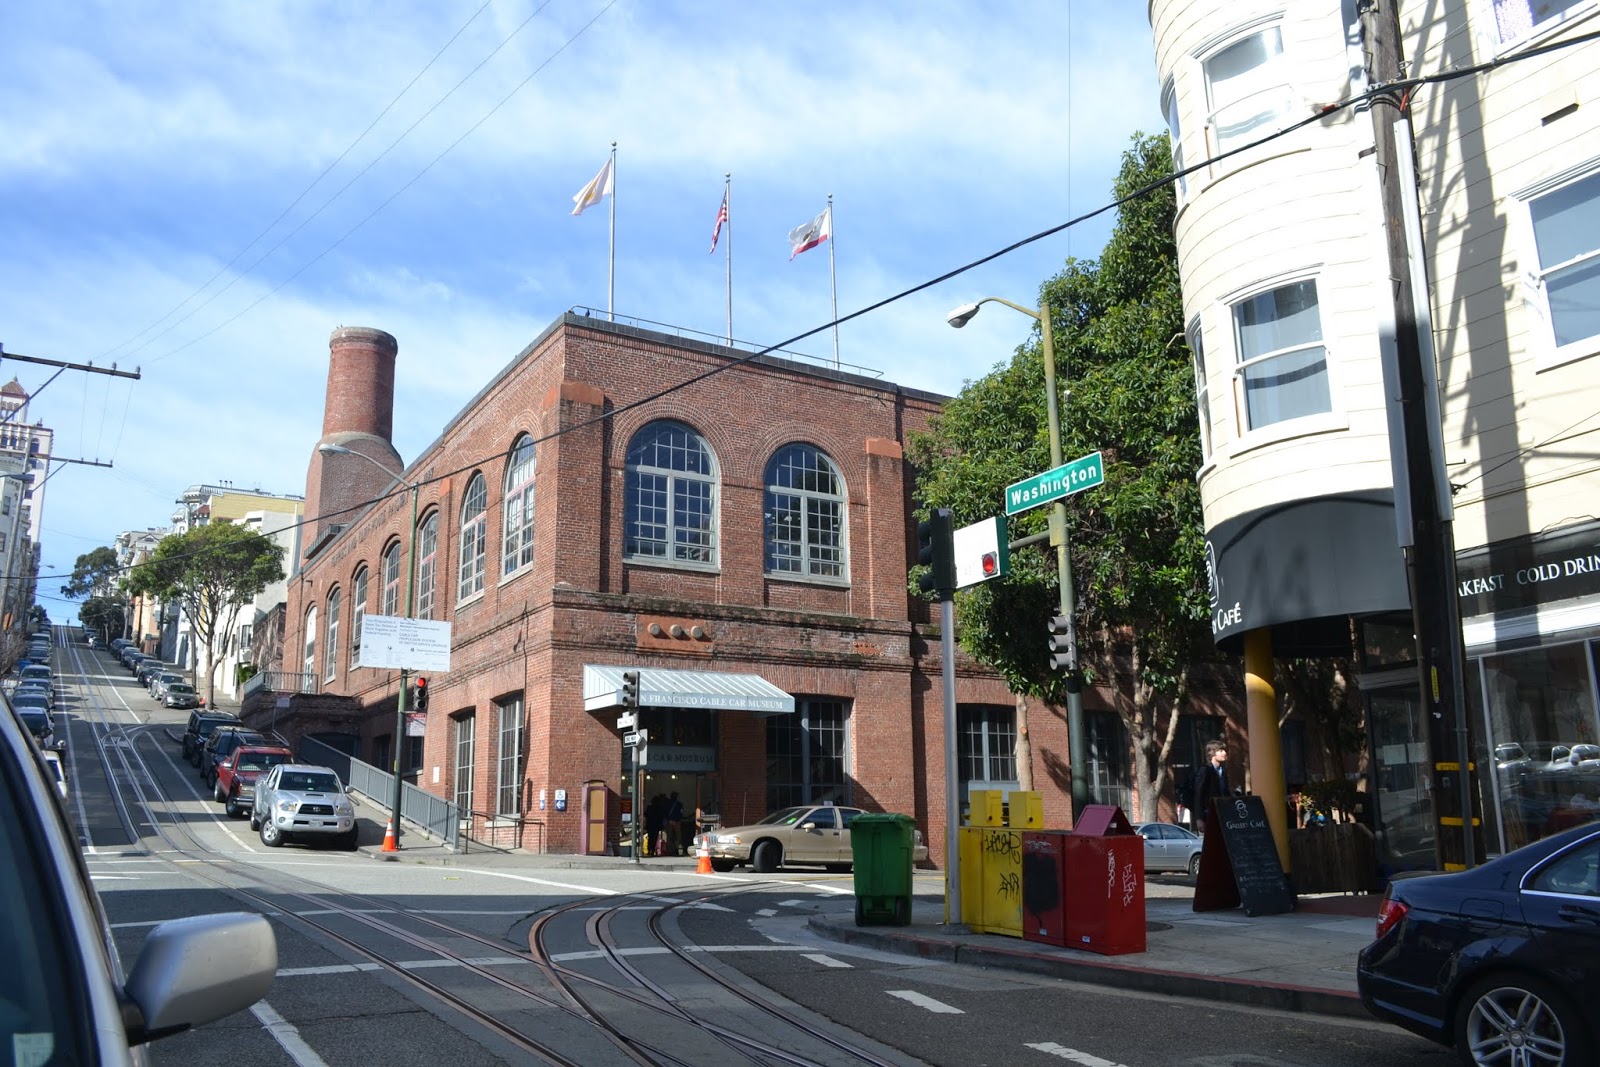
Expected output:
(654, 818)
(1210, 784)
(675, 824)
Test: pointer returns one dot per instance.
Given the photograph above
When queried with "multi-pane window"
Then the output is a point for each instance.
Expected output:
(513, 741)
(391, 580)
(519, 508)
(1202, 389)
(1247, 88)
(330, 652)
(427, 564)
(1517, 18)
(308, 663)
(1169, 104)
(671, 497)
(466, 738)
(804, 514)
(806, 756)
(1281, 356)
(987, 738)
(1566, 233)
(1107, 766)
(474, 538)
(358, 614)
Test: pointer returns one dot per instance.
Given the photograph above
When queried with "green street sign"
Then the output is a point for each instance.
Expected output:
(1062, 481)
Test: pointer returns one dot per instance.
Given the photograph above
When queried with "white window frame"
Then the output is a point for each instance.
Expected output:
(517, 533)
(1169, 107)
(1534, 287)
(678, 550)
(1265, 80)
(392, 572)
(512, 730)
(1243, 364)
(358, 613)
(330, 652)
(308, 663)
(1202, 386)
(427, 564)
(808, 566)
(472, 558)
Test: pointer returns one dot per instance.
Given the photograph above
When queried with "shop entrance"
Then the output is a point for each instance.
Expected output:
(681, 758)
(1401, 779)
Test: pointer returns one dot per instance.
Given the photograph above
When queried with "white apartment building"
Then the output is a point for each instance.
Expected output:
(1288, 300)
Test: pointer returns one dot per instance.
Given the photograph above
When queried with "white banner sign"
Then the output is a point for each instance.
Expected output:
(405, 644)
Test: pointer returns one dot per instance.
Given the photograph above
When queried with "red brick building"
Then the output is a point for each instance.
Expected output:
(742, 540)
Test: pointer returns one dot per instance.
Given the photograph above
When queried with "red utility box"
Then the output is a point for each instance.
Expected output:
(1044, 886)
(1104, 882)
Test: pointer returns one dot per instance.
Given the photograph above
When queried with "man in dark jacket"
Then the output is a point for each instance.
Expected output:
(1211, 783)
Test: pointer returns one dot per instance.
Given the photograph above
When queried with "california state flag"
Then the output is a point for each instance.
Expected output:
(804, 238)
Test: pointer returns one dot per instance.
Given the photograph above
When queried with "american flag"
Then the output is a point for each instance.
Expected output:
(722, 216)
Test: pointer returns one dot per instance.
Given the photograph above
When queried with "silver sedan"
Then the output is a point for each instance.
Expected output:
(1169, 848)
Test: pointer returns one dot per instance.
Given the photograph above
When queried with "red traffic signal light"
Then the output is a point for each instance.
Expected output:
(991, 564)
(419, 698)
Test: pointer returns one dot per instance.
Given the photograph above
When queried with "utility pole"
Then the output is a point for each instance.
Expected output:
(1423, 511)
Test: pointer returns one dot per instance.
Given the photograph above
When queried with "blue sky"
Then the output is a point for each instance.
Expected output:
(144, 146)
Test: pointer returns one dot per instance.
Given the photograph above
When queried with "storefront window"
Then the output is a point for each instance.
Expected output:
(1540, 711)
(806, 755)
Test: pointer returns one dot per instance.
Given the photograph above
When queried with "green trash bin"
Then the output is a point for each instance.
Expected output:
(881, 848)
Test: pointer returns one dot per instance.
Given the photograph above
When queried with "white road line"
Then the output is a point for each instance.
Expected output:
(826, 961)
(766, 913)
(595, 890)
(1072, 1054)
(287, 1036)
(332, 968)
(911, 996)
(849, 891)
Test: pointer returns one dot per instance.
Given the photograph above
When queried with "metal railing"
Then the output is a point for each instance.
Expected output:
(434, 814)
(281, 682)
(494, 820)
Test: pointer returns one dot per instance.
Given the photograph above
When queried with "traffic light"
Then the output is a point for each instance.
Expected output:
(419, 695)
(1062, 653)
(630, 689)
(936, 550)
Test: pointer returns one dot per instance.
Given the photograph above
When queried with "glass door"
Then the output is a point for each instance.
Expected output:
(1402, 783)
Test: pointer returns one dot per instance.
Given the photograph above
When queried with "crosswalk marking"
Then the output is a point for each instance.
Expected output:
(826, 961)
(911, 996)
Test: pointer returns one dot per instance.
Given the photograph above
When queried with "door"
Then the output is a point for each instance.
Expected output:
(596, 813)
(1402, 782)
(822, 842)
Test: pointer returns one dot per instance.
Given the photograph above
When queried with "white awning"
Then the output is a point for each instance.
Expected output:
(602, 689)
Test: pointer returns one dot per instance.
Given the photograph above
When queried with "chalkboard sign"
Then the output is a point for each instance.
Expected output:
(1239, 862)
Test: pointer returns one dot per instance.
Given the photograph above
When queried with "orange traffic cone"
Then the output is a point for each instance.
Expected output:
(704, 866)
(390, 844)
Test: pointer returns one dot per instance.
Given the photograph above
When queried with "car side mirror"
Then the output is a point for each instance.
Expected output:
(808, 826)
(228, 763)
(61, 745)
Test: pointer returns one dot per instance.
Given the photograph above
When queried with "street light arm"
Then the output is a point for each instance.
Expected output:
(963, 314)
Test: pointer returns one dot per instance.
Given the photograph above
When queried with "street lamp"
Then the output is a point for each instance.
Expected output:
(391, 839)
(1058, 537)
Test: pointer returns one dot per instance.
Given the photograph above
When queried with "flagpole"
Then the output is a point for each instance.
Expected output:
(727, 198)
(611, 266)
(833, 281)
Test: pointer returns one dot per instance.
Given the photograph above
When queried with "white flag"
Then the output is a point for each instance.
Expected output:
(595, 191)
(804, 238)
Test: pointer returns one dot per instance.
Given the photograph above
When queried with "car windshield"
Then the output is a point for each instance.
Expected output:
(36, 671)
(179, 687)
(30, 700)
(207, 726)
(310, 782)
(261, 761)
(786, 817)
(36, 719)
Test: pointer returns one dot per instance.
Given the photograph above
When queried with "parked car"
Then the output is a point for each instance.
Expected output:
(66, 998)
(296, 798)
(1502, 962)
(220, 745)
(237, 775)
(39, 674)
(180, 695)
(1169, 848)
(40, 723)
(810, 834)
(158, 683)
(147, 669)
(131, 657)
(35, 689)
(201, 723)
(55, 774)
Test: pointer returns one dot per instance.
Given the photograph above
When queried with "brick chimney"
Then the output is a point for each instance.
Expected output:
(359, 415)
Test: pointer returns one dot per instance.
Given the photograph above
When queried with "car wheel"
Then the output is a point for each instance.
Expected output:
(1194, 865)
(216, 791)
(766, 858)
(351, 841)
(722, 866)
(255, 823)
(271, 836)
(1507, 1015)
(231, 804)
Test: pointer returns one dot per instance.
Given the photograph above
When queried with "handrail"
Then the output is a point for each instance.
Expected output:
(521, 821)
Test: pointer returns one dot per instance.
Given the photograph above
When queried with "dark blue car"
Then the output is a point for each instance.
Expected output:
(1501, 962)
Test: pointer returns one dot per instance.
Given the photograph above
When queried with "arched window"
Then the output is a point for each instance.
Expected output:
(391, 580)
(805, 514)
(358, 614)
(519, 508)
(330, 652)
(474, 537)
(309, 661)
(427, 560)
(671, 496)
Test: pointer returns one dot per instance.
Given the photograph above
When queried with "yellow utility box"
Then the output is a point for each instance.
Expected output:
(991, 879)
(1025, 809)
(987, 807)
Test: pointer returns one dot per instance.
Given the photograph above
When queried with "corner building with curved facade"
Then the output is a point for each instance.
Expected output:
(1290, 314)
(742, 542)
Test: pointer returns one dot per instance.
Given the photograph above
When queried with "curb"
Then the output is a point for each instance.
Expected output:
(1278, 996)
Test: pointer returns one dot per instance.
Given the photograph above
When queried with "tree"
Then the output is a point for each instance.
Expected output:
(106, 616)
(211, 571)
(95, 574)
(1138, 539)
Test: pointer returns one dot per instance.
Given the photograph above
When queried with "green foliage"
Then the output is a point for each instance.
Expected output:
(1127, 377)
(104, 616)
(93, 575)
(209, 568)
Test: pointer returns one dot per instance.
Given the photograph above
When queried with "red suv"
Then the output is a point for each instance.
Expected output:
(237, 774)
